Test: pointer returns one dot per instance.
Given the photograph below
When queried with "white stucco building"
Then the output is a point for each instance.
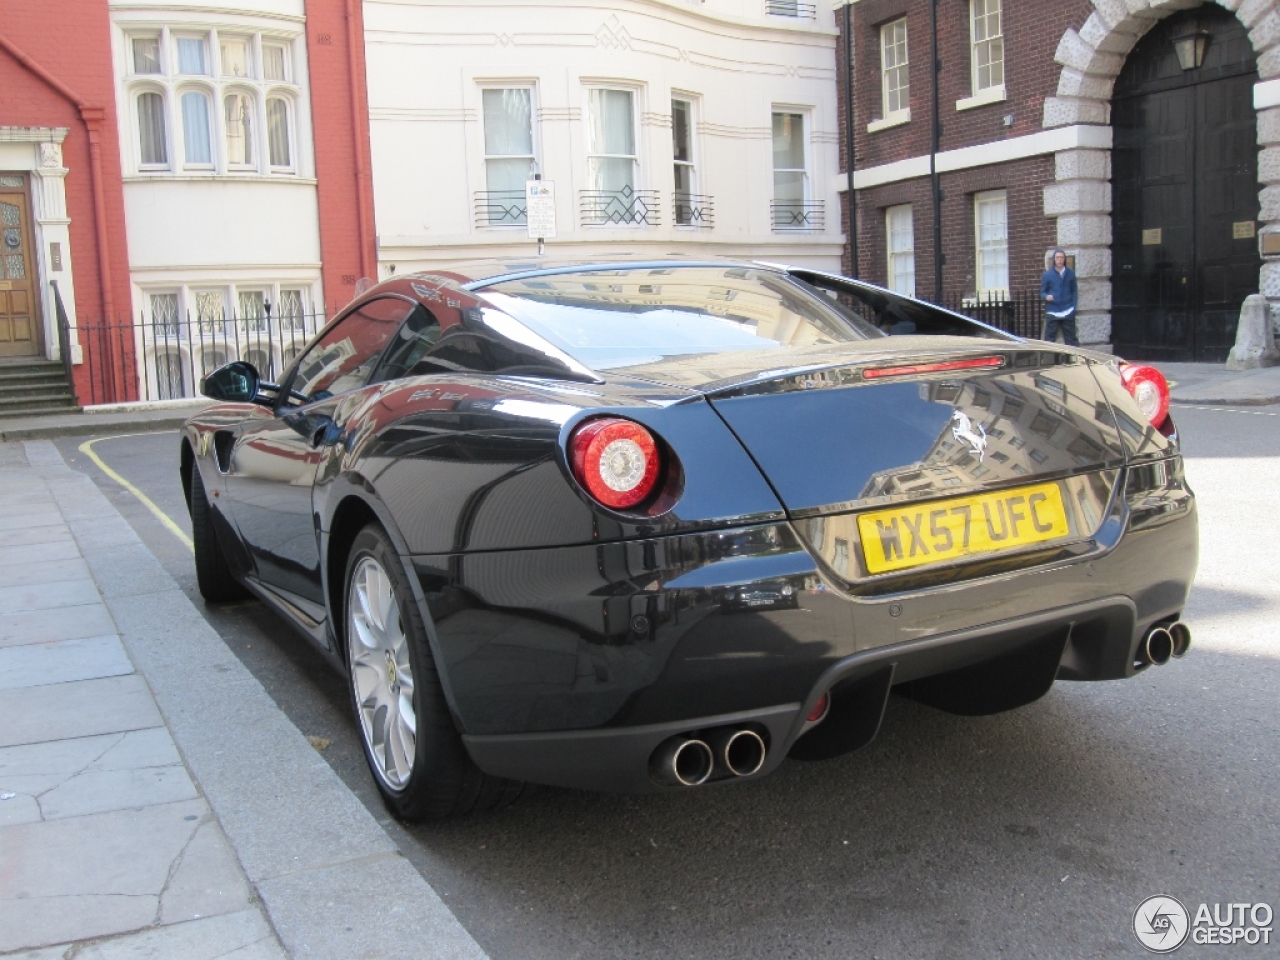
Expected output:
(665, 126)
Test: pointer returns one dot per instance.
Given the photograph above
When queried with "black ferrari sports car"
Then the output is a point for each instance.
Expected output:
(642, 526)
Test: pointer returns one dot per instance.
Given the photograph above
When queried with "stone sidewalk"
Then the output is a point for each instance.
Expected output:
(154, 802)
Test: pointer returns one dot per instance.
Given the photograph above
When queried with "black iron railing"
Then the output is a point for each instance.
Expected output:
(164, 358)
(501, 208)
(795, 215)
(625, 207)
(789, 8)
(64, 338)
(694, 210)
(1020, 313)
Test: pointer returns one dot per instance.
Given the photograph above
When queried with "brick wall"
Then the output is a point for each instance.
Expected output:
(1032, 31)
(340, 119)
(71, 40)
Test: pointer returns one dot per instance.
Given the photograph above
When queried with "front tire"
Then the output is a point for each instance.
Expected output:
(213, 574)
(414, 750)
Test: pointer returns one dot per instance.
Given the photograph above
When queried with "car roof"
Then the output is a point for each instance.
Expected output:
(477, 274)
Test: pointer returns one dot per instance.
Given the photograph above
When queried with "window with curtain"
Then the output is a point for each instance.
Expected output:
(238, 114)
(790, 177)
(682, 155)
(508, 146)
(146, 55)
(153, 148)
(988, 45)
(237, 56)
(196, 140)
(191, 56)
(901, 246)
(278, 132)
(231, 97)
(275, 62)
(893, 67)
(611, 140)
(990, 214)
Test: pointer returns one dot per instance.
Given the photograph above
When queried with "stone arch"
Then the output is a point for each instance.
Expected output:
(1080, 196)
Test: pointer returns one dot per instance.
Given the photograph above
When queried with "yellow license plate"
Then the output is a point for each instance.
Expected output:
(911, 536)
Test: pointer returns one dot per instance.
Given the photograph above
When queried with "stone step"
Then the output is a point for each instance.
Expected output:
(59, 398)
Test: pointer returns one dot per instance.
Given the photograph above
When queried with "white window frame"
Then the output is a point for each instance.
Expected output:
(992, 92)
(171, 85)
(534, 140)
(180, 125)
(806, 179)
(900, 279)
(257, 111)
(136, 92)
(991, 252)
(691, 164)
(291, 136)
(636, 166)
(893, 114)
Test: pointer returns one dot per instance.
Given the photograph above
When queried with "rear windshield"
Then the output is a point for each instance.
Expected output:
(627, 318)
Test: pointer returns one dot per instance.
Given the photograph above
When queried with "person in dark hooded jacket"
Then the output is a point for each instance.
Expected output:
(1058, 290)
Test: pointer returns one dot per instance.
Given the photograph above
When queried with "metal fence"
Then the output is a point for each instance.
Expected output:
(1021, 313)
(164, 358)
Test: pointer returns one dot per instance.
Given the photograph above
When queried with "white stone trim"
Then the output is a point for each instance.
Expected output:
(1079, 137)
(1091, 60)
(994, 94)
(1266, 94)
(895, 119)
(37, 152)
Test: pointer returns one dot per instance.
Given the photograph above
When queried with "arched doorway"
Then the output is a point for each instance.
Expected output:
(1184, 191)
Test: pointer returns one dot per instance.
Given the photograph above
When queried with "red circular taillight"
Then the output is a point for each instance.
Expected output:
(616, 460)
(1148, 386)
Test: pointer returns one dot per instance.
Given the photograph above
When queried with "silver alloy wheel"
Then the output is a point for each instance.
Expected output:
(381, 673)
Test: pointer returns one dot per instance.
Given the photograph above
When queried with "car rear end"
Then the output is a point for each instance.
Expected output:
(965, 519)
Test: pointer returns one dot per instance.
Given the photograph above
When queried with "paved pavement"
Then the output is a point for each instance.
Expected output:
(154, 801)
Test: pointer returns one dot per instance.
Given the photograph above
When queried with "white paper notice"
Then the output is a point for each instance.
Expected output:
(540, 195)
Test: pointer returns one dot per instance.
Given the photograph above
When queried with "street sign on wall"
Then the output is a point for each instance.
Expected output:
(540, 196)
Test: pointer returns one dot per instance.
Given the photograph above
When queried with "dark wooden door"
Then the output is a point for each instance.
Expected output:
(19, 321)
(1184, 201)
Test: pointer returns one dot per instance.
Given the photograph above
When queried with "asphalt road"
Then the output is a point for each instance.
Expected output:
(1031, 834)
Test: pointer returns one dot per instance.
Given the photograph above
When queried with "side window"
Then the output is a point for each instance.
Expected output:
(411, 344)
(344, 357)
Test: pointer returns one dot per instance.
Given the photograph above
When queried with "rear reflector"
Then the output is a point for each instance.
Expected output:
(1148, 386)
(819, 709)
(616, 460)
(942, 366)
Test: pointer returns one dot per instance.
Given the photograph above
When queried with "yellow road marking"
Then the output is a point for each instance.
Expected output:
(87, 449)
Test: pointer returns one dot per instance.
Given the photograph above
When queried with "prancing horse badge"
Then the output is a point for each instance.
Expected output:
(971, 433)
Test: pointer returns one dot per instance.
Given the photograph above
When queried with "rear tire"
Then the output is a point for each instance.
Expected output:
(213, 574)
(413, 749)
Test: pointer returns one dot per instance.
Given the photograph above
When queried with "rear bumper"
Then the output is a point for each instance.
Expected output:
(618, 759)
(570, 666)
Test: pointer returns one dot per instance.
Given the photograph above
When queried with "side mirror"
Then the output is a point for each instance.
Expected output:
(235, 382)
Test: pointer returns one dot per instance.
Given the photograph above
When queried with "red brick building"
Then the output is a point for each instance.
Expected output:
(158, 165)
(1125, 131)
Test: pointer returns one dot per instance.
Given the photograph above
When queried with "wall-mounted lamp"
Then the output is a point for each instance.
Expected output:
(1189, 43)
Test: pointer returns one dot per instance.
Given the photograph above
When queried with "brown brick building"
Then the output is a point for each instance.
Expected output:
(1140, 136)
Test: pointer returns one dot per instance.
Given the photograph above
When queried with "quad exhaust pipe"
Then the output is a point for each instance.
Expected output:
(689, 761)
(1163, 642)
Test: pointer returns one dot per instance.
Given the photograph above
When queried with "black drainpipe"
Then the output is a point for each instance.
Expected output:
(848, 139)
(935, 135)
